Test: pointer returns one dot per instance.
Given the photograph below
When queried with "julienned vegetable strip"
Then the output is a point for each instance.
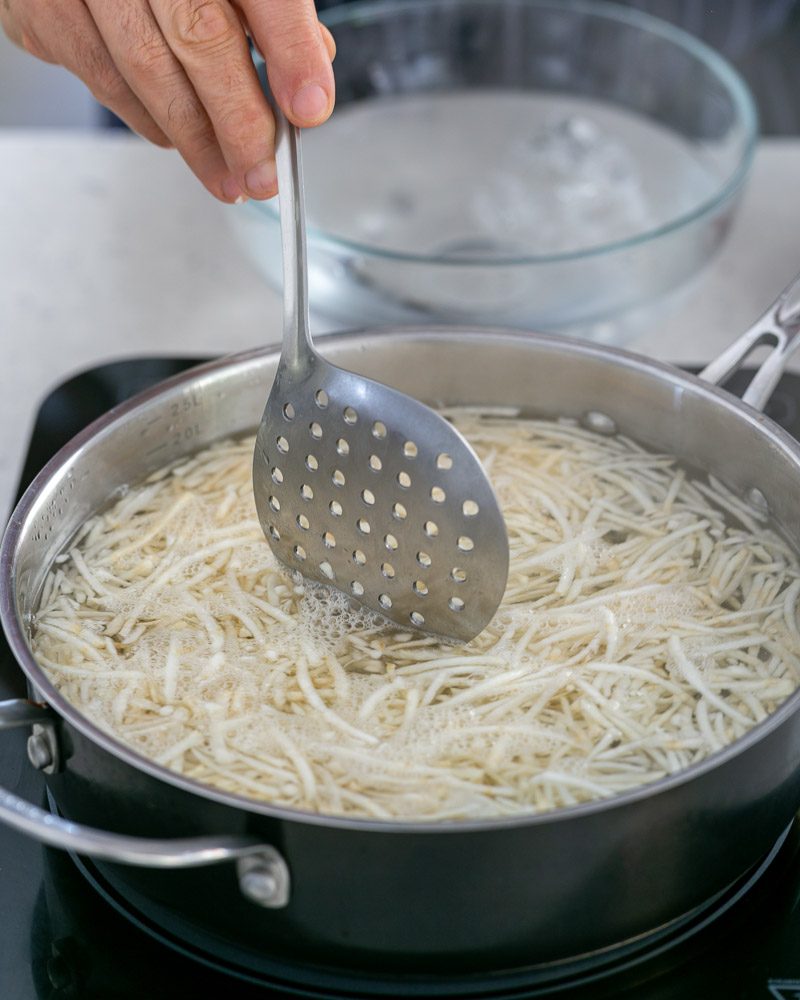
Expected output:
(649, 620)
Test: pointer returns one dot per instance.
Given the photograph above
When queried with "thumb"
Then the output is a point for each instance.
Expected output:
(288, 35)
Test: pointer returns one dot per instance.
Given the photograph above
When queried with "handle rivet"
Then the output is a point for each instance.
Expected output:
(260, 886)
(600, 423)
(39, 751)
(264, 879)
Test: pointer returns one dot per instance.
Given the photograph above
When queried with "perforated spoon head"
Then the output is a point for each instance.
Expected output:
(363, 488)
(366, 489)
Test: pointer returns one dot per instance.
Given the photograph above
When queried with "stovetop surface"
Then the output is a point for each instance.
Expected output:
(60, 939)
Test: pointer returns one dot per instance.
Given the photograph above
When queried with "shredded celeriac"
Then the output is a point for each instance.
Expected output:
(650, 619)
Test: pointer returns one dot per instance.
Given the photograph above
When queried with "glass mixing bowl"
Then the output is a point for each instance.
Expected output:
(512, 162)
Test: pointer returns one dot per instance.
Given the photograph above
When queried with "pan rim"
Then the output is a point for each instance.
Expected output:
(15, 632)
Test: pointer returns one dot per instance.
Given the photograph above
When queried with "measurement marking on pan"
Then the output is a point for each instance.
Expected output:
(150, 423)
(784, 989)
(189, 401)
(156, 448)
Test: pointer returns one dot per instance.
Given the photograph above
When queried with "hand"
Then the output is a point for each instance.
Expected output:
(179, 73)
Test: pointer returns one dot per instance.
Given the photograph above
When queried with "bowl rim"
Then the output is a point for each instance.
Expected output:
(731, 79)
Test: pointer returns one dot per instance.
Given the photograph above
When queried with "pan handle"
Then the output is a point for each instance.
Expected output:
(779, 328)
(263, 873)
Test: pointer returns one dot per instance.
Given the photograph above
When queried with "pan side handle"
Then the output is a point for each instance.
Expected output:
(779, 328)
(263, 874)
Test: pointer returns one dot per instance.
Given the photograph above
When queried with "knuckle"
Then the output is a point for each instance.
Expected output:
(33, 46)
(145, 50)
(148, 57)
(186, 117)
(106, 84)
(301, 51)
(100, 74)
(202, 23)
(241, 122)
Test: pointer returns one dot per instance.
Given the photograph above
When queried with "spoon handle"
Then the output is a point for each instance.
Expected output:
(298, 349)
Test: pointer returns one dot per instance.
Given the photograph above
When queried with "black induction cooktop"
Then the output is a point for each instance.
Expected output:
(65, 936)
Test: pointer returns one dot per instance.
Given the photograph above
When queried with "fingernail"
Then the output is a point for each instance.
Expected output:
(310, 103)
(232, 190)
(261, 179)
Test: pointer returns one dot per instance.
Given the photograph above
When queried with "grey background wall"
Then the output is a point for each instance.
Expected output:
(33, 93)
(760, 37)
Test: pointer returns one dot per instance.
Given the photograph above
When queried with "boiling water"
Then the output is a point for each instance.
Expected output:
(498, 173)
(649, 619)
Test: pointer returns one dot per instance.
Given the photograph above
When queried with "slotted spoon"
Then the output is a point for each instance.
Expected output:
(361, 487)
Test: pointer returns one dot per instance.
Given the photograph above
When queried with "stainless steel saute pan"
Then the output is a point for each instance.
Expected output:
(266, 884)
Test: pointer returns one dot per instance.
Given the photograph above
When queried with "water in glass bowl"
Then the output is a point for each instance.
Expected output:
(492, 174)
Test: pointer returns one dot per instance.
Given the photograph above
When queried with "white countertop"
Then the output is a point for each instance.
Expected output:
(110, 248)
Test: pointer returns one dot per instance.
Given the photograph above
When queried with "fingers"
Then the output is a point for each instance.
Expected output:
(328, 41)
(207, 38)
(10, 22)
(179, 72)
(156, 77)
(86, 55)
(298, 57)
(65, 34)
